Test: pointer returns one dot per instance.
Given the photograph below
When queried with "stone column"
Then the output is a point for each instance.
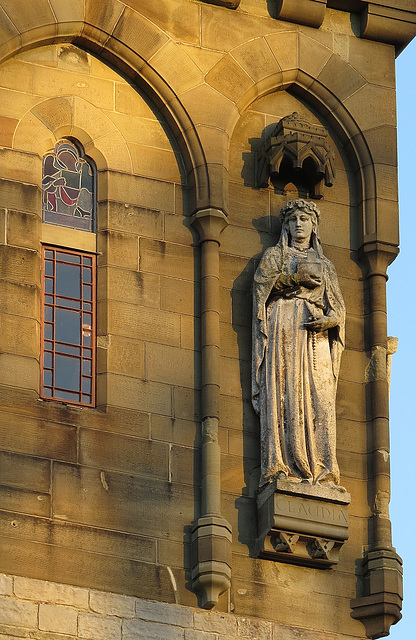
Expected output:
(211, 533)
(380, 605)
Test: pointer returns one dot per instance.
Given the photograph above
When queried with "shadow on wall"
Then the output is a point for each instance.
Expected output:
(268, 228)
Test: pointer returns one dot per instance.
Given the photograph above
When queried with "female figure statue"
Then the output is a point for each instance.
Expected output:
(298, 338)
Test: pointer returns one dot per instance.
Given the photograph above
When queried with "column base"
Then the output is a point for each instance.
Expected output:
(381, 604)
(211, 559)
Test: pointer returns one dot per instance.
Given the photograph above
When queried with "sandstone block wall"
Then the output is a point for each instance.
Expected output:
(51, 611)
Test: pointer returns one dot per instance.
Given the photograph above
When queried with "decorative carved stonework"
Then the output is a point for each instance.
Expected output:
(301, 524)
(296, 152)
(298, 339)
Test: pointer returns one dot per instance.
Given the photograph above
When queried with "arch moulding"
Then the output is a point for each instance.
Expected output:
(91, 30)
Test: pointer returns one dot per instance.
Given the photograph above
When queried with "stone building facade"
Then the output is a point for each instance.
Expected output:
(131, 512)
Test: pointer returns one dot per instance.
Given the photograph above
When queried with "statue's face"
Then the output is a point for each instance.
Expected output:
(300, 225)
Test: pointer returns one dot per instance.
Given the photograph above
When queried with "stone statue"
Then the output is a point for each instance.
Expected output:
(298, 338)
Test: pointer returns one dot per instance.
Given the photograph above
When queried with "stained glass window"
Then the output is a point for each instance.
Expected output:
(67, 188)
(68, 326)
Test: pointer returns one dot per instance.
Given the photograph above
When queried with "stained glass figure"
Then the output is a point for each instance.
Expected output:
(67, 188)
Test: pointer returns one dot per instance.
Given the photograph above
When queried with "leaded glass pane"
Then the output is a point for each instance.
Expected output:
(68, 328)
(67, 188)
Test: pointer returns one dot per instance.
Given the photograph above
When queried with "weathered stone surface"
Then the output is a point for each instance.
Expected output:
(20, 265)
(123, 453)
(111, 543)
(183, 463)
(19, 298)
(183, 370)
(5, 585)
(25, 588)
(216, 622)
(166, 259)
(163, 613)
(109, 490)
(130, 286)
(142, 323)
(153, 631)
(178, 295)
(18, 612)
(38, 437)
(95, 627)
(130, 219)
(11, 632)
(24, 472)
(172, 430)
(121, 187)
(111, 604)
(19, 335)
(120, 249)
(124, 356)
(7, 129)
(20, 500)
(136, 394)
(190, 634)
(55, 617)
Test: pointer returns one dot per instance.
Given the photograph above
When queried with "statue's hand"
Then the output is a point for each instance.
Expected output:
(310, 281)
(321, 324)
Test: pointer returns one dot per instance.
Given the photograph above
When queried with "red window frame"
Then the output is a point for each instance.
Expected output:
(68, 343)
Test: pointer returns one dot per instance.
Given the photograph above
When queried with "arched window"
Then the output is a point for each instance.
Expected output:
(68, 188)
(68, 278)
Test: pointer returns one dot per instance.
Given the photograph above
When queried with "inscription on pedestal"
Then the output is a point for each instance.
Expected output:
(303, 515)
(302, 526)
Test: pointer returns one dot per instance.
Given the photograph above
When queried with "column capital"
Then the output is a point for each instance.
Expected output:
(209, 223)
(377, 256)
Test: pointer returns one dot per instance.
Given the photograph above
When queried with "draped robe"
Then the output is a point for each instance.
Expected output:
(295, 370)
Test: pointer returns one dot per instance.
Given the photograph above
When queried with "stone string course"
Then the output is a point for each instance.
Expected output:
(49, 611)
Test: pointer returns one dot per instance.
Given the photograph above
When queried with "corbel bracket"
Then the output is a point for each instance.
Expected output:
(211, 558)
(301, 524)
(308, 12)
(380, 606)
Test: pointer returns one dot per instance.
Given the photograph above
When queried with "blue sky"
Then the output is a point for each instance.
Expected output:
(401, 314)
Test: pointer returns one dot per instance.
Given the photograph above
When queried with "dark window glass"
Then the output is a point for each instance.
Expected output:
(86, 368)
(71, 304)
(67, 188)
(68, 280)
(48, 285)
(47, 360)
(67, 326)
(67, 257)
(67, 372)
(48, 314)
(48, 332)
(69, 333)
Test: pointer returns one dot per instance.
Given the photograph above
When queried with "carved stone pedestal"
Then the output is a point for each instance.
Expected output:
(302, 524)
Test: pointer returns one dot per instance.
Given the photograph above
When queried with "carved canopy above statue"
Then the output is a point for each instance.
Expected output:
(298, 152)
